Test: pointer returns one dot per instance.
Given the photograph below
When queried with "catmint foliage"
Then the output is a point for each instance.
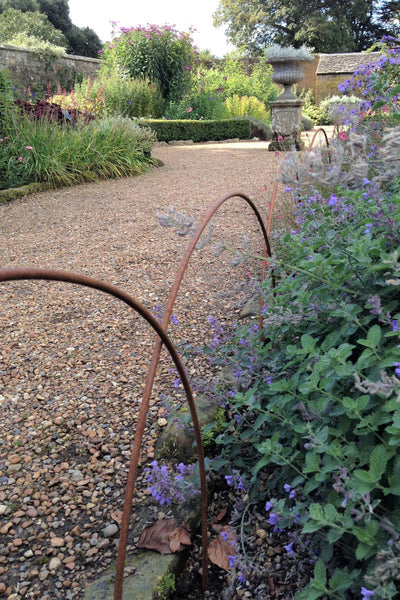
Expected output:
(182, 223)
(313, 398)
(168, 488)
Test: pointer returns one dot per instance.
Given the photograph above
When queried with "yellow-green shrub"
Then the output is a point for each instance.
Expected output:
(247, 106)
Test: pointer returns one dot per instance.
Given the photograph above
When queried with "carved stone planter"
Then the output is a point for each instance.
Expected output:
(287, 73)
(286, 110)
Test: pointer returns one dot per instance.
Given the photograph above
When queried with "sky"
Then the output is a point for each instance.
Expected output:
(98, 14)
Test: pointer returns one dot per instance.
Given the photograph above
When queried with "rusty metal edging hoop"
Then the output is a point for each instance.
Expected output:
(129, 490)
(20, 274)
(68, 277)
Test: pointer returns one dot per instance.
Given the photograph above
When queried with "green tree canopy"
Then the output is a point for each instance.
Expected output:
(325, 25)
(57, 11)
(23, 5)
(82, 41)
(34, 24)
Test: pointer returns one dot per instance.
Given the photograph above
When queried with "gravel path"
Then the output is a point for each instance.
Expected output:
(73, 362)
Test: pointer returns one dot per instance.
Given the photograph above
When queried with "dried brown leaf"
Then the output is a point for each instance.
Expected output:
(156, 536)
(165, 536)
(220, 549)
(220, 515)
(180, 538)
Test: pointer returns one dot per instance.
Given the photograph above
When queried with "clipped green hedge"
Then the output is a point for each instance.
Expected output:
(198, 131)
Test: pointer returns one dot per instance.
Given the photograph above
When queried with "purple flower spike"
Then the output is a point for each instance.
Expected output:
(366, 594)
(289, 549)
(273, 518)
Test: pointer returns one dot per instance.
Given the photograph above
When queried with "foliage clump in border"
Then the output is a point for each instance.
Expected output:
(213, 83)
(315, 401)
(158, 53)
(36, 147)
(109, 94)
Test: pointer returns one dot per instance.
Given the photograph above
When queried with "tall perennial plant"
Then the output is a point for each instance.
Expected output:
(35, 147)
(313, 411)
(160, 54)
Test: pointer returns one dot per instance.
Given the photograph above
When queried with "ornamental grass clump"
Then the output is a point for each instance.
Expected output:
(39, 149)
(312, 428)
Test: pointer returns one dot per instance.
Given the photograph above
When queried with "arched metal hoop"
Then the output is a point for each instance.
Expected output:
(68, 277)
(320, 131)
(152, 373)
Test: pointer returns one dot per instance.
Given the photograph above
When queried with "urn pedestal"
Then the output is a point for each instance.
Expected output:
(286, 110)
(286, 124)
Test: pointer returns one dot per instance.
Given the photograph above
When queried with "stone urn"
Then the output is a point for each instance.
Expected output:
(287, 64)
(287, 73)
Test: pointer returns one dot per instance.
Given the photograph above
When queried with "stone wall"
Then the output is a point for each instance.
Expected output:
(327, 85)
(28, 69)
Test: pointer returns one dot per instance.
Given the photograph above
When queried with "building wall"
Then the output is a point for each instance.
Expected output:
(309, 82)
(27, 69)
(327, 85)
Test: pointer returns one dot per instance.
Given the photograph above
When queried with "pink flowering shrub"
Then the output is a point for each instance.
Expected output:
(160, 54)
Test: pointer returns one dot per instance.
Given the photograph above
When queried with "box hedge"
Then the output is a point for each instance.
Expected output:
(198, 131)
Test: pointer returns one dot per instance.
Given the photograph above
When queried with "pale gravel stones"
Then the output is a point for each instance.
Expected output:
(73, 362)
(55, 563)
(110, 530)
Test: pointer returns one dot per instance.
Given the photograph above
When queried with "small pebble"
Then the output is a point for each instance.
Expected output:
(110, 530)
(54, 564)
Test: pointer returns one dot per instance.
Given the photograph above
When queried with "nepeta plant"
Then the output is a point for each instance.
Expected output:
(183, 223)
(314, 404)
(321, 410)
(171, 489)
(377, 85)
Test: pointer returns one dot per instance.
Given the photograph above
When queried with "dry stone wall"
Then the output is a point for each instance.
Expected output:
(29, 69)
